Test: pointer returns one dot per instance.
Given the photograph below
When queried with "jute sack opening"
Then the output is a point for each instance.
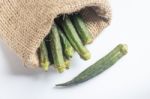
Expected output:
(25, 23)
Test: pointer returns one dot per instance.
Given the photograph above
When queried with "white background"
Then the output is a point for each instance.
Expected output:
(128, 79)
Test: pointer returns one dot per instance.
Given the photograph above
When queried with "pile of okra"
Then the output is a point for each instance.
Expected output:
(68, 34)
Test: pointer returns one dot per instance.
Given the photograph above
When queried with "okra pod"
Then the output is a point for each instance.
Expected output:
(81, 28)
(43, 56)
(100, 66)
(48, 46)
(74, 39)
(67, 47)
(56, 49)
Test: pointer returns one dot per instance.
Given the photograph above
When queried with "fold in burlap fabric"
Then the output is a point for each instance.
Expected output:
(24, 23)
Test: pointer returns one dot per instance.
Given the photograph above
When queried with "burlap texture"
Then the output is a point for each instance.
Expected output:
(24, 23)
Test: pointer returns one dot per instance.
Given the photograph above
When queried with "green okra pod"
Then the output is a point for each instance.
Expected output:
(74, 39)
(43, 56)
(48, 46)
(56, 49)
(81, 28)
(67, 47)
(100, 66)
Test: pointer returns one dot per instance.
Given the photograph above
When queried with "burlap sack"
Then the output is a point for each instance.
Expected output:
(24, 23)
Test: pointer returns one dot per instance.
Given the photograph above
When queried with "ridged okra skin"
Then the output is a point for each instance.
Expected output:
(100, 66)
(43, 56)
(82, 29)
(67, 47)
(56, 49)
(74, 39)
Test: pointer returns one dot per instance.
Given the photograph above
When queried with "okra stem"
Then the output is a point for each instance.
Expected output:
(67, 63)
